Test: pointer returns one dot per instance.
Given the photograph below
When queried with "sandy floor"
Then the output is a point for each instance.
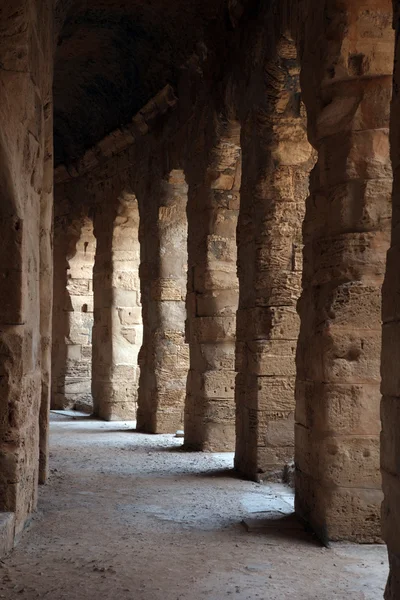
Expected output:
(130, 516)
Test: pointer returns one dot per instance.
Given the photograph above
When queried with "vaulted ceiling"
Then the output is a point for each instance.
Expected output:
(112, 56)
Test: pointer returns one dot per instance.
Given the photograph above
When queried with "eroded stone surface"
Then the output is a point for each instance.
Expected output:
(212, 291)
(147, 102)
(164, 355)
(276, 163)
(75, 247)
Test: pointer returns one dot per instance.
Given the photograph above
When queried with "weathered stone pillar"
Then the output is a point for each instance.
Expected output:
(117, 327)
(346, 86)
(277, 159)
(164, 355)
(74, 249)
(46, 288)
(25, 82)
(390, 407)
(212, 300)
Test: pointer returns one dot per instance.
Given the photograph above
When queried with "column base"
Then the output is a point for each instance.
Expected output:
(162, 422)
(7, 530)
(339, 514)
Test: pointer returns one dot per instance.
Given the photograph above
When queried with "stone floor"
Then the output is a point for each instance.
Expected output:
(130, 516)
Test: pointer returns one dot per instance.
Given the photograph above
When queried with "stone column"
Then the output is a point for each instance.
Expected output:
(164, 355)
(347, 87)
(390, 406)
(26, 42)
(117, 332)
(212, 300)
(73, 311)
(277, 159)
(46, 289)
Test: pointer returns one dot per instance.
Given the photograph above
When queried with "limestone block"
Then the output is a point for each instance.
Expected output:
(277, 289)
(276, 430)
(353, 256)
(171, 398)
(373, 198)
(220, 437)
(341, 408)
(228, 200)
(129, 334)
(167, 290)
(350, 105)
(339, 514)
(80, 303)
(219, 277)
(268, 323)
(211, 356)
(78, 287)
(223, 181)
(221, 249)
(272, 395)
(220, 302)
(129, 316)
(364, 154)
(347, 461)
(78, 369)
(349, 356)
(7, 525)
(352, 305)
(218, 384)
(15, 352)
(81, 268)
(215, 412)
(276, 254)
(270, 461)
(124, 373)
(86, 352)
(76, 386)
(117, 411)
(167, 422)
(290, 149)
(272, 358)
(173, 314)
(223, 226)
(122, 297)
(125, 280)
(214, 329)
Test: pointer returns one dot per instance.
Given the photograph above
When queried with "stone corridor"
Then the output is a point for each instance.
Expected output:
(131, 516)
(199, 232)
